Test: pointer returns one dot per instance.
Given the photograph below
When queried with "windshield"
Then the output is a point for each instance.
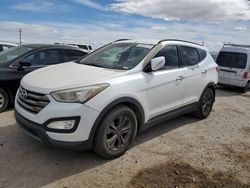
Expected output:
(122, 56)
(13, 53)
(232, 60)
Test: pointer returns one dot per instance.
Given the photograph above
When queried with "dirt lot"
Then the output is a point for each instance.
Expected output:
(184, 152)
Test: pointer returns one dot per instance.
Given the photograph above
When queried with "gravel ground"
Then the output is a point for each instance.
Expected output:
(183, 152)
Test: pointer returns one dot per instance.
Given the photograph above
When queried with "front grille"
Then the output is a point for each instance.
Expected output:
(31, 101)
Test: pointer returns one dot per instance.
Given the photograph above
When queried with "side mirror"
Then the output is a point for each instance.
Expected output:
(155, 64)
(24, 64)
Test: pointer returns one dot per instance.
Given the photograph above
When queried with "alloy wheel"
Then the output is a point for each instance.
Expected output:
(207, 102)
(118, 133)
(2, 100)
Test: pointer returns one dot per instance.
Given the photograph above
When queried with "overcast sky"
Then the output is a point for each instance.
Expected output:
(99, 22)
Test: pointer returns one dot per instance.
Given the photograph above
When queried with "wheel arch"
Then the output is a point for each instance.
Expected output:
(211, 85)
(128, 101)
(4, 86)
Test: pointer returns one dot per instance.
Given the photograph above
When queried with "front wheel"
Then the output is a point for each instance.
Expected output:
(205, 104)
(4, 100)
(116, 132)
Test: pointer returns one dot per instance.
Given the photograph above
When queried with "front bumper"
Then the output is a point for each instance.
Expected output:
(38, 132)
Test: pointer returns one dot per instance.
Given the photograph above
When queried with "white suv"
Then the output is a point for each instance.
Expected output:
(101, 101)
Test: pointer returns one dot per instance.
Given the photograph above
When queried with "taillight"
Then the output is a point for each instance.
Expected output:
(245, 75)
(218, 69)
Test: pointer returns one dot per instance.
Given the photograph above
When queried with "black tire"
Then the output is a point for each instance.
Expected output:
(4, 100)
(116, 132)
(246, 88)
(205, 104)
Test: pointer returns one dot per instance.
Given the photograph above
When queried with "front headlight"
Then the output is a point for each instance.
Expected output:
(78, 95)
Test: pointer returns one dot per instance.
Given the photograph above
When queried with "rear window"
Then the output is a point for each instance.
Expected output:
(232, 60)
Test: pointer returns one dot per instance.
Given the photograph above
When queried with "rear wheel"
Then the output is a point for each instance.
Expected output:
(246, 88)
(205, 104)
(4, 100)
(116, 132)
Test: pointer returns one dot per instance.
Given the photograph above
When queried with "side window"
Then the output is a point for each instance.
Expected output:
(189, 56)
(1, 48)
(44, 57)
(202, 54)
(70, 55)
(171, 56)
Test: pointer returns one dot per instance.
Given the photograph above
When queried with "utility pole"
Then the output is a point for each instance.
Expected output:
(20, 36)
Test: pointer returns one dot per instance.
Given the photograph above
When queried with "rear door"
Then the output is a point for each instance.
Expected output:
(71, 55)
(194, 78)
(232, 65)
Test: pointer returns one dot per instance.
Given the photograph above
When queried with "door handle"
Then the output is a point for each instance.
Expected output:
(204, 72)
(180, 78)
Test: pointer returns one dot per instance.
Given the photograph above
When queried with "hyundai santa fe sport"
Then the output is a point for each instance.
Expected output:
(103, 100)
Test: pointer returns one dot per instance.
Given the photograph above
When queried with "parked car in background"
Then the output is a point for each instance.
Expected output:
(5, 46)
(88, 48)
(234, 65)
(115, 92)
(21, 60)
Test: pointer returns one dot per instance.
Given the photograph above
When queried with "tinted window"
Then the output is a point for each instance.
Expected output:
(189, 56)
(1, 48)
(44, 57)
(171, 56)
(70, 55)
(232, 59)
(202, 54)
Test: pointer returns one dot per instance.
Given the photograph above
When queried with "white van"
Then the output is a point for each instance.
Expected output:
(234, 65)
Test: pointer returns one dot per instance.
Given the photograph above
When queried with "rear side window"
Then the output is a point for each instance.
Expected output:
(171, 56)
(189, 56)
(232, 60)
(43, 57)
(1, 48)
(202, 54)
(70, 55)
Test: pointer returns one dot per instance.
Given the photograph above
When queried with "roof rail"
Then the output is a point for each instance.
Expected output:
(179, 41)
(235, 45)
(121, 40)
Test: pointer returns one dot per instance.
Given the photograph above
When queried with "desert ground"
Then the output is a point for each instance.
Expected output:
(183, 152)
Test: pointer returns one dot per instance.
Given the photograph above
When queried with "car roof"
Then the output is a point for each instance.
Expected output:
(155, 42)
(8, 43)
(235, 49)
(38, 46)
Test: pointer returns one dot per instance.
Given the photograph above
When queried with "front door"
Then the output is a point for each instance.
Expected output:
(165, 86)
(38, 60)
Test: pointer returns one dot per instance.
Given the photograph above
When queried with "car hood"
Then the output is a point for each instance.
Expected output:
(67, 76)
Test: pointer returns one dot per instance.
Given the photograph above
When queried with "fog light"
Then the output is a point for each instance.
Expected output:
(62, 125)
